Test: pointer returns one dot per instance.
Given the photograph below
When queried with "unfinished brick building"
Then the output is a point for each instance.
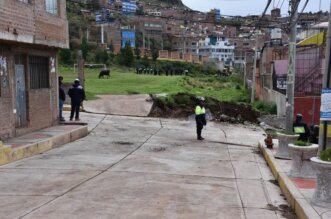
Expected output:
(31, 33)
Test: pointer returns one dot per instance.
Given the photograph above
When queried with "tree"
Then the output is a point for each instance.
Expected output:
(154, 50)
(84, 48)
(111, 47)
(94, 5)
(101, 56)
(126, 56)
(137, 52)
(65, 57)
(144, 61)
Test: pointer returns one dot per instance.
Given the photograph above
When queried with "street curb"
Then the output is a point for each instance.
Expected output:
(8, 154)
(68, 109)
(301, 206)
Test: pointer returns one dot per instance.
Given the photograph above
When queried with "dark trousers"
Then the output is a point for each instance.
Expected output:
(199, 128)
(74, 109)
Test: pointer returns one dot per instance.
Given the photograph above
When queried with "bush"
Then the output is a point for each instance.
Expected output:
(301, 143)
(182, 99)
(265, 107)
(326, 155)
(165, 102)
(170, 102)
(160, 102)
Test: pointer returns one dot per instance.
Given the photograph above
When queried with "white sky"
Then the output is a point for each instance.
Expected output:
(252, 7)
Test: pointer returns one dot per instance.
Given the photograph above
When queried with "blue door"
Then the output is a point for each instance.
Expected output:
(20, 96)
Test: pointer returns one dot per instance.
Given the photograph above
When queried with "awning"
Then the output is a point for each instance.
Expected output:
(317, 39)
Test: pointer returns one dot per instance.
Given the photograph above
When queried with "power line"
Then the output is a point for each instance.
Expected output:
(278, 3)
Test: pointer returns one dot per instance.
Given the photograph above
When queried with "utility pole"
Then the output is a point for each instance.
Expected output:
(80, 67)
(102, 34)
(291, 66)
(254, 71)
(144, 41)
(245, 70)
(324, 140)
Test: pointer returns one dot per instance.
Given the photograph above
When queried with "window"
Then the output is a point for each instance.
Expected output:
(25, 1)
(39, 72)
(51, 6)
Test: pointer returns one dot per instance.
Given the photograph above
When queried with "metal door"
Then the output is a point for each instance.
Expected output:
(20, 96)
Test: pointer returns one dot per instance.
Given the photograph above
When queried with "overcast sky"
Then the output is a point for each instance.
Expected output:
(252, 7)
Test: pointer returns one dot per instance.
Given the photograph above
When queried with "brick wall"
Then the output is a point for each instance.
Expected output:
(27, 29)
(30, 23)
(7, 119)
(309, 107)
(187, 57)
(174, 55)
(163, 54)
(42, 104)
(195, 58)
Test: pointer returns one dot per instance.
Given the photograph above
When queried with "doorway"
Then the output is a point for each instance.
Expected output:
(21, 118)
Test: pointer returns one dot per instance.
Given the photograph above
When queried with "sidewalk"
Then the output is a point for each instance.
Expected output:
(297, 191)
(40, 141)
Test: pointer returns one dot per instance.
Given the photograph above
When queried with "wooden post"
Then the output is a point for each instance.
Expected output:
(80, 67)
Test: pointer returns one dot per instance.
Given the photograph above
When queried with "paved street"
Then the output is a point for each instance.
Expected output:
(129, 167)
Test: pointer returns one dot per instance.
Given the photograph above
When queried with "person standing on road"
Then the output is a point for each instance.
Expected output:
(200, 118)
(62, 98)
(301, 128)
(77, 95)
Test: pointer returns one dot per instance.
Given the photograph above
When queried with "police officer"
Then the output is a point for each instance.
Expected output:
(200, 117)
(62, 98)
(301, 128)
(77, 95)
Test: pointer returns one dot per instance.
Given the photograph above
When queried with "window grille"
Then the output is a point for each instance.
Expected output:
(51, 6)
(39, 72)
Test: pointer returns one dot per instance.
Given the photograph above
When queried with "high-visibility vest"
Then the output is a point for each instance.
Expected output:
(199, 110)
(299, 130)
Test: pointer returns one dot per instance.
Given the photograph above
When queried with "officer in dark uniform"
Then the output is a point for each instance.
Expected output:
(62, 98)
(77, 95)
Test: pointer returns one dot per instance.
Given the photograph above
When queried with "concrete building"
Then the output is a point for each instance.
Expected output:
(129, 7)
(218, 48)
(31, 33)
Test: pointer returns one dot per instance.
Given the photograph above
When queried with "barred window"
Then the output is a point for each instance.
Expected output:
(39, 72)
(51, 6)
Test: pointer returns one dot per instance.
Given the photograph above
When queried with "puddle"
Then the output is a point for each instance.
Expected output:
(157, 149)
(284, 210)
(274, 182)
(123, 142)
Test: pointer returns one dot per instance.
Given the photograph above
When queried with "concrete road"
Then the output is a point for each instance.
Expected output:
(130, 167)
(133, 105)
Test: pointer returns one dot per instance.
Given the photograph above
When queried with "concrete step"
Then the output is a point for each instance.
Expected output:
(40, 141)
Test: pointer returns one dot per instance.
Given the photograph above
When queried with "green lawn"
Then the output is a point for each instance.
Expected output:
(124, 81)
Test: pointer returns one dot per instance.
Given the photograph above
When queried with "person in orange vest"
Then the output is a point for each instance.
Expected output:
(200, 118)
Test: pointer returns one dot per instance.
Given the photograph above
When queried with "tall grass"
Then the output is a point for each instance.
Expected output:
(125, 81)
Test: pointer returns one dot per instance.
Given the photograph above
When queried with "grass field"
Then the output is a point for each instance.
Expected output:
(125, 81)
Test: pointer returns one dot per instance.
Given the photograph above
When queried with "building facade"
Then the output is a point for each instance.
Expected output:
(31, 33)
(218, 48)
